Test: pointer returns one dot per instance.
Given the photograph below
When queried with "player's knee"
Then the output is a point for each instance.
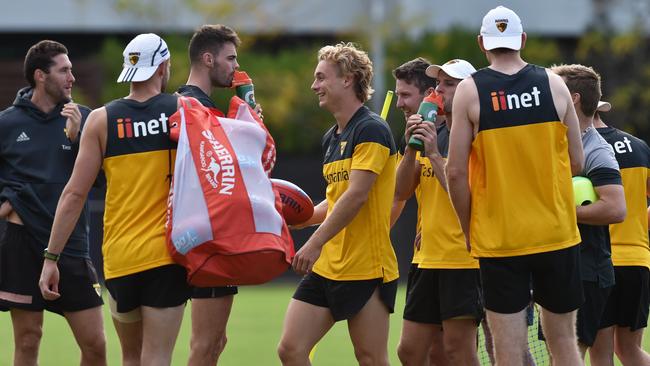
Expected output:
(369, 357)
(94, 348)
(221, 344)
(289, 352)
(28, 340)
(457, 346)
(626, 351)
(404, 351)
(131, 354)
(208, 349)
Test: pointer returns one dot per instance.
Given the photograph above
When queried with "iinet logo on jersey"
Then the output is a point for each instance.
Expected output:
(502, 101)
(128, 129)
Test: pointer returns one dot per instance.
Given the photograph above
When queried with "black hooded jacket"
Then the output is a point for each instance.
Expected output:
(36, 161)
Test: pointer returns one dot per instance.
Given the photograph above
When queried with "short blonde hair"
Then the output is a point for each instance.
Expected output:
(351, 60)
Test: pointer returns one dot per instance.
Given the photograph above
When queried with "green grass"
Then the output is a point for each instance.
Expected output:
(253, 333)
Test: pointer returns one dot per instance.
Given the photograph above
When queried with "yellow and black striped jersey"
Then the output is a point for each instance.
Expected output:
(630, 238)
(519, 169)
(138, 165)
(362, 250)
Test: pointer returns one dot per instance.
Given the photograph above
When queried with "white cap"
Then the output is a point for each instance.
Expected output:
(456, 68)
(501, 28)
(142, 56)
(604, 106)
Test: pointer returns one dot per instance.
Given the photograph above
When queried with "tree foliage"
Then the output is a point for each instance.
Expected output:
(283, 73)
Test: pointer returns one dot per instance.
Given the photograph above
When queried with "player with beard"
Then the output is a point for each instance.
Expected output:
(213, 59)
(129, 138)
(38, 148)
(443, 288)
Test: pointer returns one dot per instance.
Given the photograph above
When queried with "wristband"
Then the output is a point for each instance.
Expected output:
(51, 256)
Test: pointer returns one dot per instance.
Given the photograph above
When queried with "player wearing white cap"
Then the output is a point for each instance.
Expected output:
(516, 130)
(443, 287)
(129, 138)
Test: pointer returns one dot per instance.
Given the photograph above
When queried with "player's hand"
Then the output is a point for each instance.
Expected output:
(305, 258)
(49, 282)
(426, 132)
(411, 124)
(73, 122)
(5, 209)
(418, 240)
(258, 110)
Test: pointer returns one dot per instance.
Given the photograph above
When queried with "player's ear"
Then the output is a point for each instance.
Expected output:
(479, 39)
(208, 59)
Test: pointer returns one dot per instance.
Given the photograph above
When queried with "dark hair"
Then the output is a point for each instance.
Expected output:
(414, 72)
(211, 38)
(39, 57)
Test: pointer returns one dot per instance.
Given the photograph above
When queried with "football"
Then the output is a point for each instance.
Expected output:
(297, 207)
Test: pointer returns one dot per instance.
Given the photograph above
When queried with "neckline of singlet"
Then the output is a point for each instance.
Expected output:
(504, 75)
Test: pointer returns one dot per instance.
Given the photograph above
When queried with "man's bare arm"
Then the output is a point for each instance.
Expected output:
(609, 209)
(567, 113)
(460, 143)
(89, 161)
(344, 211)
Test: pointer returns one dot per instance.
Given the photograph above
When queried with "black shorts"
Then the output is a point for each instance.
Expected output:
(213, 292)
(556, 281)
(434, 295)
(21, 262)
(344, 298)
(629, 302)
(160, 287)
(591, 311)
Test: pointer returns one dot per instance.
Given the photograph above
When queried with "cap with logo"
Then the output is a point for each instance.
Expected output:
(501, 28)
(456, 68)
(142, 56)
(604, 106)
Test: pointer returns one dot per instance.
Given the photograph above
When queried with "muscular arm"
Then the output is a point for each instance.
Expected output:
(567, 113)
(87, 165)
(343, 212)
(608, 209)
(396, 210)
(460, 143)
(320, 211)
(407, 176)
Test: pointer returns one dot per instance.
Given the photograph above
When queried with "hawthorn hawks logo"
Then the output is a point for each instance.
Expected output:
(502, 25)
(134, 57)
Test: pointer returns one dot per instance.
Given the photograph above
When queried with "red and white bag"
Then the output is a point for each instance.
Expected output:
(224, 220)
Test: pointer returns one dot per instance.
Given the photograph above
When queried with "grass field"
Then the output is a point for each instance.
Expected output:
(253, 334)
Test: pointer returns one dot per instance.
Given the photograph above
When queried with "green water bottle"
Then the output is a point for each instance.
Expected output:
(429, 111)
(244, 88)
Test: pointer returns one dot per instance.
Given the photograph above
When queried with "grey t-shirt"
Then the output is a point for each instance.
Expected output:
(598, 153)
(602, 169)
